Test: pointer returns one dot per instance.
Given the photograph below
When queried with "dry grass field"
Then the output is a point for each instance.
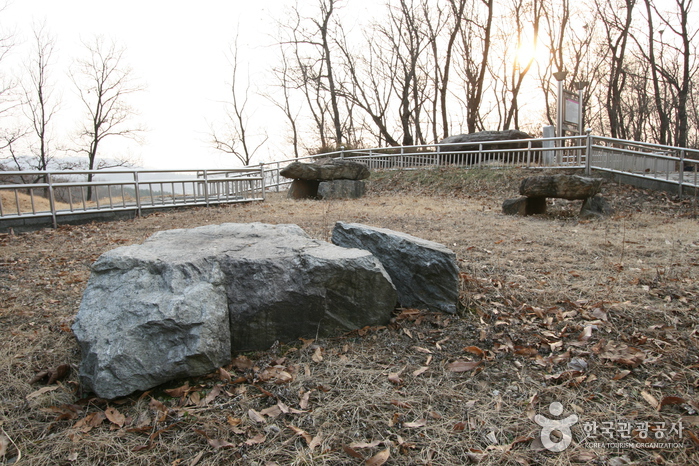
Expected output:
(599, 316)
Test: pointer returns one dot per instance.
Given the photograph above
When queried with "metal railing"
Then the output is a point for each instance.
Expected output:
(54, 194)
(28, 194)
(671, 165)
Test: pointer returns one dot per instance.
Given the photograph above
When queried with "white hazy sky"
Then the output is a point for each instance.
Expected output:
(178, 50)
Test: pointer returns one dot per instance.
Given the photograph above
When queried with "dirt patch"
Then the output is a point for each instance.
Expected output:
(600, 316)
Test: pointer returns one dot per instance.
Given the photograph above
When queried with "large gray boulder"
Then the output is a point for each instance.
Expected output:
(179, 303)
(425, 273)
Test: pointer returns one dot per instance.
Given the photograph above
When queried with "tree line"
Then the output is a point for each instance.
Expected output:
(426, 69)
(29, 103)
(408, 72)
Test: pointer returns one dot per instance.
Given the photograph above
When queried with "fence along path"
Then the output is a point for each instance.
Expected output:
(675, 167)
(67, 194)
(62, 194)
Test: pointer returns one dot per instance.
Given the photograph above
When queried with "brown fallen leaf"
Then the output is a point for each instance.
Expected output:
(621, 374)
(211, 396)
(463, 366)
(40, 392)
(415, 424)
(586, 334)
(5, 443)
(114, 416)
(475, 350)
(220, 443)
(379, 458)
(317, 440)
(394, 377)
(400, 404)
(306, 436)
(352, 452)
(275, 374)
(91, 421)
(670, 400)
(525, 351)
(692, 436)
(360, 445)
(256, 417)
(216, 443)
(273, 411)
(650, 399)
(52, 375)
(420, 371)
(317, 355)
(257, 439)
(224, 375)
(623, 354)
(420, 349)
(178, 392)
(242, 363)
(306, 343)
(303, 404)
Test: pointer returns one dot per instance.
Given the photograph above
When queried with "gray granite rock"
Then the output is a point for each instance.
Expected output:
(425, 273)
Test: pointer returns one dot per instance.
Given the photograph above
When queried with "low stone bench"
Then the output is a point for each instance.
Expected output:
(536, 189)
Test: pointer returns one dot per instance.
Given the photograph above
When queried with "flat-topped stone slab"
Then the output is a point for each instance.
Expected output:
(569, 187)
(335, 169)
(536, 189)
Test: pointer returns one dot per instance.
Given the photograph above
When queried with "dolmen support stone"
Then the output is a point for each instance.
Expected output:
(333, 179)
(179, 303)
(424, 272)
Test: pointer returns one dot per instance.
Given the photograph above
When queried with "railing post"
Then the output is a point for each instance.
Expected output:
(137, 187)
(480, 155)
(206, 187)
(52, 202)
(681, 179)
(278, 175)
(262, 175)
(588, 152)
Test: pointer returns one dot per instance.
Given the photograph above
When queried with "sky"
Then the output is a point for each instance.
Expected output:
(178, 49)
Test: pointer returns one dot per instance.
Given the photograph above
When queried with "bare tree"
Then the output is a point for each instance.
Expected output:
(10, 134)
(456, 8)
(522, 65)
(104, 82)
(309, 46)
(673, 75)
(40, 104)
(235, 138)
(476, 41)
(282, 75)
(370, 85)
(327, 8)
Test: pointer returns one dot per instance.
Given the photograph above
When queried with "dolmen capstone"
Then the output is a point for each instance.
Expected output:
(332, 179)
(471, 142)
(179, 304)
(536, 189)
(425, 273)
